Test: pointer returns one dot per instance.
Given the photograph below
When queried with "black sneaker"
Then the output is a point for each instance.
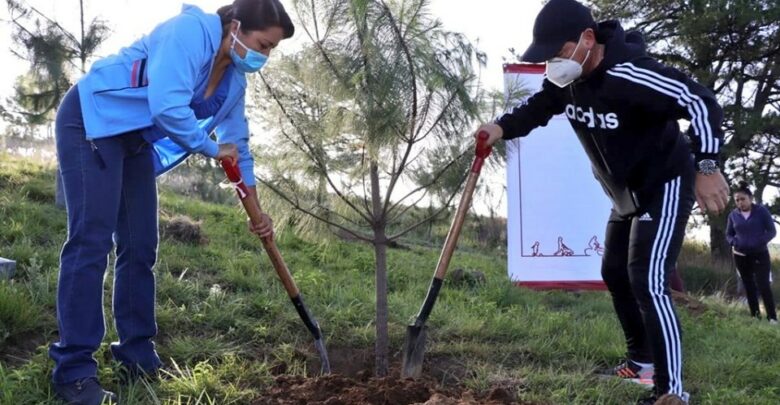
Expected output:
(86, 391)
(631, 371)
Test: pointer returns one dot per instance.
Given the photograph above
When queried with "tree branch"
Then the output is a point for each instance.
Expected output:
(412, 72)
(441, 115)
(406, 208)
(430, 183)
(429, 218)
(297, 206)
(317, 160)
(363, 178)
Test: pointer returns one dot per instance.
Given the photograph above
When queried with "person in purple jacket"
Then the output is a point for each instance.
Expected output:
(749, 230)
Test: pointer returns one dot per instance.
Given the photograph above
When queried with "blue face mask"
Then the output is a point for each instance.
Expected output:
(251, 62)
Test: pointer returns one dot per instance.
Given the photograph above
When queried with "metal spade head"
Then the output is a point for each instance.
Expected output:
(414, 351)
(320, 346)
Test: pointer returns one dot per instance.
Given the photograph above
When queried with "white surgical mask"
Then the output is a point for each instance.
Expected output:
(562, 71)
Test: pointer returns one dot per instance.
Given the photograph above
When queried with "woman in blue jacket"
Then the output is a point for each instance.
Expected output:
(135, 115)
(749, 230)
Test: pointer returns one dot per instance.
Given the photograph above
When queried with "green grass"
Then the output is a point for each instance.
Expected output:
(226, 324)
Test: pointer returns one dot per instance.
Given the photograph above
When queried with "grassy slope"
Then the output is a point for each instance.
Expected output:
(225, 322)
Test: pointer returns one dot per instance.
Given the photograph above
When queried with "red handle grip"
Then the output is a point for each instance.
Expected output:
(234, 175)
(482, 151)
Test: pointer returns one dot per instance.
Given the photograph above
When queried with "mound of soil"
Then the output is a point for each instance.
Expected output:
(341, 390)
(183, 229)
(353, 382)
(694, 306)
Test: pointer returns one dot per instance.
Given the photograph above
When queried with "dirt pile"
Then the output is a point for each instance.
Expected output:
(183, 229)
(694, 306)
(340, 390)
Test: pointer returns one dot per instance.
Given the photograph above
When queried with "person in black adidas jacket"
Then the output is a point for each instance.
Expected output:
(624, 107)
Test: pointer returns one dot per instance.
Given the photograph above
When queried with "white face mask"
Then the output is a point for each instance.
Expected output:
(562, 72)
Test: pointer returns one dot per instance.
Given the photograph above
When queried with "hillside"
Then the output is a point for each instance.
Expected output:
(229, 335)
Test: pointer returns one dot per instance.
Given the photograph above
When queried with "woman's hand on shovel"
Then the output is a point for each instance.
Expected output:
(229, 152)
(264, 229)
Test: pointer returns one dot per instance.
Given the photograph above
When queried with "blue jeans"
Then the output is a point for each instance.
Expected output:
(111, 198)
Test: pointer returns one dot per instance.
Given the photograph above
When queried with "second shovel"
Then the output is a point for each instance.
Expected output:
(414, 343)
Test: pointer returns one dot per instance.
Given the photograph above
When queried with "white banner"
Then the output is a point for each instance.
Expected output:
(557, 211)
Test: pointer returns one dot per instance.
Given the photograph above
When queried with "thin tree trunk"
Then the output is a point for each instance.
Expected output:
(322, 197)
(59, 187)
(59, 191)
(431, 210)
(82, 56)
(381, 350)
(719, 246)
(759, 193)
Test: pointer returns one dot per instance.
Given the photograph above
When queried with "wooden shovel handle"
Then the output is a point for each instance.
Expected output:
(255, 215)
(482, 152)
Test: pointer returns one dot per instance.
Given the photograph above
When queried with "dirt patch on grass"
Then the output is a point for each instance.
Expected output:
(18, 350)
(353, 382)
(183, 229)
(338, 390)
(690, 303)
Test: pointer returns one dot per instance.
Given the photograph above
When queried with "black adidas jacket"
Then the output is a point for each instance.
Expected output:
(625, 115)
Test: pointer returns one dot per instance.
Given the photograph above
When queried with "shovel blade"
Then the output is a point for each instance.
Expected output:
(324, 360)
(414, 351)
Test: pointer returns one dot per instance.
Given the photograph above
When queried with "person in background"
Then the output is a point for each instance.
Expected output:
(133, 116)
(750, 228)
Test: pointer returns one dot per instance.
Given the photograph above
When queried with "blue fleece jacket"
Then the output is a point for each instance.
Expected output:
(150, 85)
(750, 235)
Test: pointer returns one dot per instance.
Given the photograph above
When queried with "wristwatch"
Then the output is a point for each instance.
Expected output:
(707, 167)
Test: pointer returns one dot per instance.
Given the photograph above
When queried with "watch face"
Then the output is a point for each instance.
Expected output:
(707, 166)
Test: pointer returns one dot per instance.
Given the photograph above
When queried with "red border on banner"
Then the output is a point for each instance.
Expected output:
(524, 68)
(563, 285)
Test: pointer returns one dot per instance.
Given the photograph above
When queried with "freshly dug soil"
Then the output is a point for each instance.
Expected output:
(341, 390)
(353, 382)
(183, 229)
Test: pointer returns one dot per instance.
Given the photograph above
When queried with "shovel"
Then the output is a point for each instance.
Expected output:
(254, 212)
(414, 343)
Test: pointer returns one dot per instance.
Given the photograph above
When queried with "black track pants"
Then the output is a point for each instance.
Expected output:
(754, 270)
(639, 252)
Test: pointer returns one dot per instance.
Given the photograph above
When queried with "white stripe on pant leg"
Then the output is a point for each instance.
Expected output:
(676, 380)
(672, 329)
(658, 287)
(651, 276)
(658, 255)
(673, 350)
